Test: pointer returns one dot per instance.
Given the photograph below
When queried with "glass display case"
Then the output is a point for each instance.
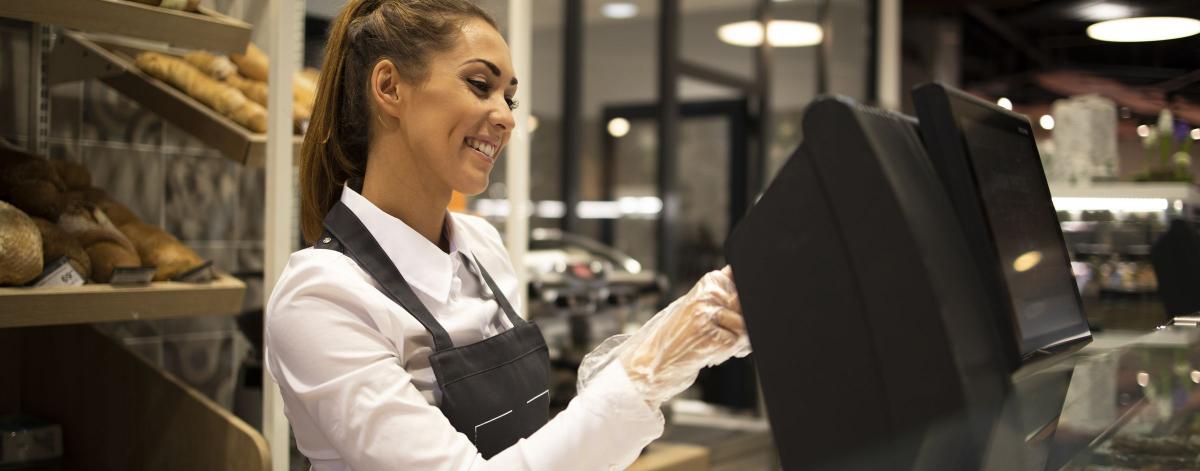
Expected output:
(1133, 404)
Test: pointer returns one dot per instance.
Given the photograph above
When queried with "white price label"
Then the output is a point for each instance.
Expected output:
(60, 273)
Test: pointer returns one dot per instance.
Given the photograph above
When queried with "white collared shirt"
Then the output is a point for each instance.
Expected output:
(353, 366)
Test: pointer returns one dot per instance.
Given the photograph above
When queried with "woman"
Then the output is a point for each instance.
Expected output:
(394, 339)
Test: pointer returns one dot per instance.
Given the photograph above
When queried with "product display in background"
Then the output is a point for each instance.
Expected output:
(1085, 140)
(49, 211)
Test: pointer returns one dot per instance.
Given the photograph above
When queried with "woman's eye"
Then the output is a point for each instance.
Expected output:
(480, 85)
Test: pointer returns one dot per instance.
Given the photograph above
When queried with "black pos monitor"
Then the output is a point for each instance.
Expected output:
(880, 340)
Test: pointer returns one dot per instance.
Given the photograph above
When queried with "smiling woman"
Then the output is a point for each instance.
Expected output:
(393, 338)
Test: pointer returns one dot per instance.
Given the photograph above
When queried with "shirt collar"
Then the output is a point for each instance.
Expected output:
(422, 263)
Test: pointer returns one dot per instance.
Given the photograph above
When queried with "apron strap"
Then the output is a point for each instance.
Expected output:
(500, 299)
(365, 250)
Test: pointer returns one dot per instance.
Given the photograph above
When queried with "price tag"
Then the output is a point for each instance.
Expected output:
(60, 273)
(200, 274)
(132, 275)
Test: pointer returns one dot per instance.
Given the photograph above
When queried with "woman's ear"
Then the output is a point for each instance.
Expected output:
(387, 88)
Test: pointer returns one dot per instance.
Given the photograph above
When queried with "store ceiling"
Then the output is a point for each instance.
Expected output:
(1010, 46)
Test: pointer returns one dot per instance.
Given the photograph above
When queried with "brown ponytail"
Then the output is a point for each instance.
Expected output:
(365, 32)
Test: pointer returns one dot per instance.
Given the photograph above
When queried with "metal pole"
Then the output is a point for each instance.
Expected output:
(668, 132)
(516, 227)
(39, 90)
(762, 74)
(280, 225)
(572, 110)
(888, 44)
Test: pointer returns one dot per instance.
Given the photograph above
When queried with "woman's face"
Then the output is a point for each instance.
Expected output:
(456, 122)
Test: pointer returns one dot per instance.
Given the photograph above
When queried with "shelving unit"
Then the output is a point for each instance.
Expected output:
(25, 307)
(204, 30)
(117, 410)
(79, 57)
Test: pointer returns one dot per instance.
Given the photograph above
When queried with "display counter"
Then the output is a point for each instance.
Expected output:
(1133, 403)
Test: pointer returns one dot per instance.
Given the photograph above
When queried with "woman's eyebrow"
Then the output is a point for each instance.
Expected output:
(492, 67)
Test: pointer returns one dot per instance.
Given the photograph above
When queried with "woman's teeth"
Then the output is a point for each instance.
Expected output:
(483, 147)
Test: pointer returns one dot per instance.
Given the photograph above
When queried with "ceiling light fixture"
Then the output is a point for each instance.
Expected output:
(1195, 134)
(619, 10)
(1046, 121)
(618, 127)
(1005, 103)
(1143, 29)
(780, 33)
(1105, 11)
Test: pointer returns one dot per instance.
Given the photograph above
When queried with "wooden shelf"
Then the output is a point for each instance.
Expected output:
(24, 307)
(205, 30)
(79, 57)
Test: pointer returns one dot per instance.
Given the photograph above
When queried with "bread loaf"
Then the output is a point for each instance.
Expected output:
(20, 247)
(74, 175)
(31, 184)
(218, 67)
(253, 63)
(106, 246)
(56, 244)
(107, 256)
(161, 249)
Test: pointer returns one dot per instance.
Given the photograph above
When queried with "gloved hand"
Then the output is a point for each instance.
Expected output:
(702, 328)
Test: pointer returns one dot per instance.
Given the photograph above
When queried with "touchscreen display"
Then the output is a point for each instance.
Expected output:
(1024, 226)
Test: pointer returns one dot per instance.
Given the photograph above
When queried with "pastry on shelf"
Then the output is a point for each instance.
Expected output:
(20, 247)
(184, 5)
(106, 246)
(31, 184)
(117, 213)
(220, 96)
(253, 63)
(159, 248)
(253, 68)
(56, 244)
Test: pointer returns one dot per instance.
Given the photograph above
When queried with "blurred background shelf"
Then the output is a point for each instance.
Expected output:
(204, 30)
(1163, 190)
(25, 307)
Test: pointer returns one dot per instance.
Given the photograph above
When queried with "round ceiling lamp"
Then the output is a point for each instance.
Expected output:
(1143, 29)
(780, 33)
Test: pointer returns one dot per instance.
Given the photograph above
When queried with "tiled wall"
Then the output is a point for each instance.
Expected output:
(167, 178)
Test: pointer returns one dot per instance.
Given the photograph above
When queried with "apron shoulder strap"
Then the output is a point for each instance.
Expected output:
(500, 299)
(347, 234)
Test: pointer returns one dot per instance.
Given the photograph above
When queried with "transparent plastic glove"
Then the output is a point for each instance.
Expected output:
(702, 328)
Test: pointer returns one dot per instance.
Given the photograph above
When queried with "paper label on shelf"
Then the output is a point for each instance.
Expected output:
(60, 273)
(132, 275)
(200, 274)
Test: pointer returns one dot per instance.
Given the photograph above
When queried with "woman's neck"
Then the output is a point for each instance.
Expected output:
(401, 190)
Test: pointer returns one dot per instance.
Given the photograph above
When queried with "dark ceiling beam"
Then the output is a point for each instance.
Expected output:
(1179, 82)
(1008, 34)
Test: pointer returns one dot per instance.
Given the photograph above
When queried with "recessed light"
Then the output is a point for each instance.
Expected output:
(1105, 11)
(1147, 28)
(1046, 121)
(1143, 130)
(780, 33)
(1005, 103)
(1195, 134)
(619, 10)
(618, 127)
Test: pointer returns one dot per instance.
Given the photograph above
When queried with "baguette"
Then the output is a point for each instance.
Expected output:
(218, 67)
(20, 247)
(184, 76)
(253, 63)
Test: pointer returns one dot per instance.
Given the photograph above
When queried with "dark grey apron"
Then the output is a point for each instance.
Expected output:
(495, 391)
